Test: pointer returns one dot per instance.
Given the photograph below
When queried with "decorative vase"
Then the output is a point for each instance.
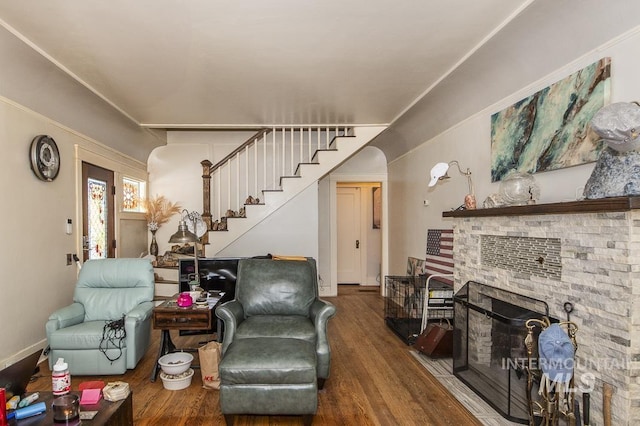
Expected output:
(153, 248)
(518, 189)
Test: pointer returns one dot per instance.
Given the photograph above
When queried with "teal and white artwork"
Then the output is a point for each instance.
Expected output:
(549, 130)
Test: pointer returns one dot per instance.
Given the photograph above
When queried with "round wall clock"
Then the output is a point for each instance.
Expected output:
(45, 158)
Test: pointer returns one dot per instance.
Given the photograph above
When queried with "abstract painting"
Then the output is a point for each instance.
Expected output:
(549, 130)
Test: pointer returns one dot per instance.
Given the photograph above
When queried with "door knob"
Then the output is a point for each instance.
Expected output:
(357, 243)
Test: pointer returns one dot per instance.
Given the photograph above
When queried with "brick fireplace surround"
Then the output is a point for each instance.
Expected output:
(583, 252)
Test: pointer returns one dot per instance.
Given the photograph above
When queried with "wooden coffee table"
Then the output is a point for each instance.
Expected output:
(169, 316)
(109, 413)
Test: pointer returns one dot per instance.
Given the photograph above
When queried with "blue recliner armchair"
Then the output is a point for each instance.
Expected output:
(107, 290)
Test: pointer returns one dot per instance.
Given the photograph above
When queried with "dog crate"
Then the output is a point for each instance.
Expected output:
(403, 304)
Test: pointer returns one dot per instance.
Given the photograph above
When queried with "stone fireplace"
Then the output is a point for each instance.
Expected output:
(586, 253)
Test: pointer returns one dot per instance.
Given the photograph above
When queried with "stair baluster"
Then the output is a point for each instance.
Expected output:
(263, 163)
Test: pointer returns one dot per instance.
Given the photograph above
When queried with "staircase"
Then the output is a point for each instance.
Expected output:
(267, 171)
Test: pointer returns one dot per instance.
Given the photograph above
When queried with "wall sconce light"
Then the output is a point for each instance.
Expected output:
(184, 235)
(439, 172)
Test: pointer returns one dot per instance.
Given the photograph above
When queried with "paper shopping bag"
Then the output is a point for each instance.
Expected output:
(210, 355)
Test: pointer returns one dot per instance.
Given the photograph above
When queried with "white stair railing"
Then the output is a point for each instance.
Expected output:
(259, 165)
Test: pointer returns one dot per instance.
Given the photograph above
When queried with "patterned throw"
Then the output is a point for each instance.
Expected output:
(439, 259)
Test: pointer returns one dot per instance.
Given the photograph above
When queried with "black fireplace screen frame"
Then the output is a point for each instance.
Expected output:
(488, 350)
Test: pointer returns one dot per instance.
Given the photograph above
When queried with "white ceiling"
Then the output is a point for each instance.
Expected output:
(217, 64)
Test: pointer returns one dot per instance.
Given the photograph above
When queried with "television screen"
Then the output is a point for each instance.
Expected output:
(215, 273)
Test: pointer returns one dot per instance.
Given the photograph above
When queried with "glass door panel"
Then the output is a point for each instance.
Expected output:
(98, 212)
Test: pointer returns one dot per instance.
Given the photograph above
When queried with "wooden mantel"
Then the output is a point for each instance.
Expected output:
(613, 204)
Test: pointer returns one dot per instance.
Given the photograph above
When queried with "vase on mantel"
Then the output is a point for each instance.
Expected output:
(153, 248)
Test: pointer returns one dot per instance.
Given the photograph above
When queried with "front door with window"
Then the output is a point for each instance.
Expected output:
(98, 201)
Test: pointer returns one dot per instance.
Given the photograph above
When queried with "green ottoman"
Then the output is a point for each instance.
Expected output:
(269, 376)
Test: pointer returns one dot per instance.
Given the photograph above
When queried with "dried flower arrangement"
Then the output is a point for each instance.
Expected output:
(158, 211)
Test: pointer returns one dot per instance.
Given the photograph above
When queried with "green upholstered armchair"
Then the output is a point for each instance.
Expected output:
(279, 298)
(107, 290)
(275, 351)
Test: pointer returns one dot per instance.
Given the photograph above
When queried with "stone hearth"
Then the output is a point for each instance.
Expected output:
(586, 253)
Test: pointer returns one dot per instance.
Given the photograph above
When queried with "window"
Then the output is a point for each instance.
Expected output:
(98, 218)
(133, 192)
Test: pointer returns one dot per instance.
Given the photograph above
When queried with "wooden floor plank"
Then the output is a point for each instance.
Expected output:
(374, 380)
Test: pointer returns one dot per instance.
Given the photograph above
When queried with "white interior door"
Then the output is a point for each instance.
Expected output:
(349, 240)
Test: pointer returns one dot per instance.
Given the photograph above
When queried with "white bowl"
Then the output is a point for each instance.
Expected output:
(176, 362)
(178, 381)
(195, 295)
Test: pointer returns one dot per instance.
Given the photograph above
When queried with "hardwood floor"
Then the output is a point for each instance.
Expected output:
(374, 380)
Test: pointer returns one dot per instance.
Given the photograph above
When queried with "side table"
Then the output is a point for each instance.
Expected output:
(169, 316)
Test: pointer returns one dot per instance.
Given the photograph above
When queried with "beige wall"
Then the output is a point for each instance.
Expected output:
(35, 278)
(34, 82)
(38, 98)
(521, 53)
(469, 142)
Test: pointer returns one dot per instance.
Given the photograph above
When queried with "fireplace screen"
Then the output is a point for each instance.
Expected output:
(489, 354)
